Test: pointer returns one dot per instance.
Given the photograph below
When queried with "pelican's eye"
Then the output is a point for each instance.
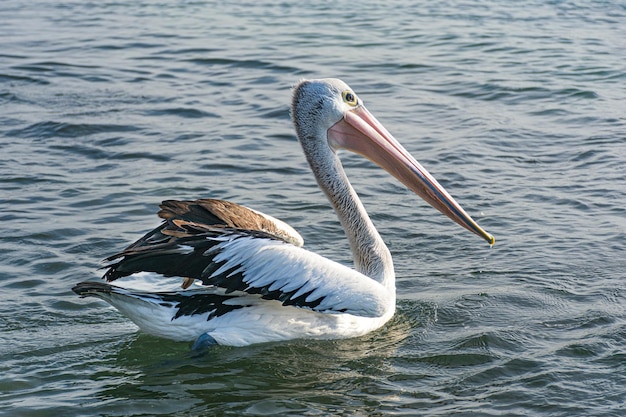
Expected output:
(350, 98)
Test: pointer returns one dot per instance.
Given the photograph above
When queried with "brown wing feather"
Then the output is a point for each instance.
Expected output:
(198, 214)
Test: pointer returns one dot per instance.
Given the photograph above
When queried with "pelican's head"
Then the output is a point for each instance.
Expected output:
(329, 116)
(319, 104)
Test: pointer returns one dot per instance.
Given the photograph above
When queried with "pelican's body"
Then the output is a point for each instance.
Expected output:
(257, 282)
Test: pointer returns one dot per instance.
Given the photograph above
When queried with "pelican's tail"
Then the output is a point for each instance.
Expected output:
(176, 315)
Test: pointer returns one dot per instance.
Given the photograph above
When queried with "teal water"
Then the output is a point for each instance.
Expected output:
(107, 108)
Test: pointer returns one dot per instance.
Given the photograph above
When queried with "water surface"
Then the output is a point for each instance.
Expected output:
(107, 108)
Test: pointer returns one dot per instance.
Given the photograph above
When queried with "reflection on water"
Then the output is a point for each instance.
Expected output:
(266, 378)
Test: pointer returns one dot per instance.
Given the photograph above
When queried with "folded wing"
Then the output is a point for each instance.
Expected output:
(241, 250)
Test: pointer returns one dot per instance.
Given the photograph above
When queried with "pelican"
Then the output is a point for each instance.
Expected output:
(254, 282)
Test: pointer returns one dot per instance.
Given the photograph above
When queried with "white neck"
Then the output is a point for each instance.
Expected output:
(371, 256)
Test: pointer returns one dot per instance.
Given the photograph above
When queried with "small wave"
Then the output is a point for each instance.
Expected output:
(23, 78)
(244, 63)
(52, 129)
(185, 112)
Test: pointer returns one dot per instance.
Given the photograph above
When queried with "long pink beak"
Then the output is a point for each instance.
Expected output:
(361, 133)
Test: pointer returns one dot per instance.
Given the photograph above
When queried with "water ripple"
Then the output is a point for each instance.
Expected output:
(51, 129)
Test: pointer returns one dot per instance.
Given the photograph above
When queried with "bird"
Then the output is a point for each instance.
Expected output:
(246, 276)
